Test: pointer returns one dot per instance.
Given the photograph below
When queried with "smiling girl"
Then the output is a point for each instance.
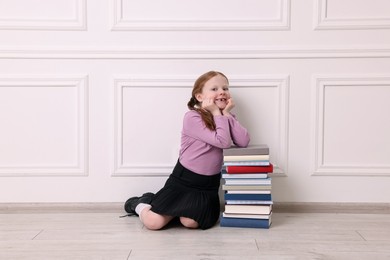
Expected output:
(191, 191)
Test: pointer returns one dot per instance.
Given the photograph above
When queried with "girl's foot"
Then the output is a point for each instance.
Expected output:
(132, 203)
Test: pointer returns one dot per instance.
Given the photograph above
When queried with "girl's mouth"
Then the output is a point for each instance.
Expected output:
(221, 99)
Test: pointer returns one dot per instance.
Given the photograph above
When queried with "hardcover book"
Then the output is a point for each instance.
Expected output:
(248, 209)
(245, 222)
(228, 158)
(242, 196)
(248, 202)
(250, 169)
(246, 187)
(253, 216)
(248, 181)
(248, 192)
(247, 163)
(250, 150)
(244, 175)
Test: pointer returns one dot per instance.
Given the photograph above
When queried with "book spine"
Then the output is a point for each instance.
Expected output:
(247, 163)
(248, 181)
(244, 222)
(239, 196)
(244, 175)
(250, 150)
(252, 216)
(249, 169)
(246, 187)
(264, 157)
(248, 209)
(248, 191)
(248, 202)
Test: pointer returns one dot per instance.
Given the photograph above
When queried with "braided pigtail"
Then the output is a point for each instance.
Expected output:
(207, 117)
(192, 103)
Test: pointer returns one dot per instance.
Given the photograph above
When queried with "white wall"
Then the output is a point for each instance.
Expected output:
(92, 93)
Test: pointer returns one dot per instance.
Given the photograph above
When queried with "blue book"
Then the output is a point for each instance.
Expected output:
(245, 222)
(240, 196)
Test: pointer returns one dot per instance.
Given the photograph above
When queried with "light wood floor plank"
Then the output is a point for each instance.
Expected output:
(99, 235)
(375, 235)
(55, 249)
(17, 234)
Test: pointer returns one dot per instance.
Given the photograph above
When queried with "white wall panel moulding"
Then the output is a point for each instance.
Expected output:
(323, 19)
(121, 84)
(47, 135)
(279, 84)
(46, 17)
(350, 125)
(199, 52)
(183, 18)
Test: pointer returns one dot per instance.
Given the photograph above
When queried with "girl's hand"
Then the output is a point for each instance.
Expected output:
(209, 105)
(230, 105)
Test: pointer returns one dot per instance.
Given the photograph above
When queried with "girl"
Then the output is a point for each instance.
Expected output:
(191, 191)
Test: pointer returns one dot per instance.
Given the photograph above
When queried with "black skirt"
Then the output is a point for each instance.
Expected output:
(191, 195)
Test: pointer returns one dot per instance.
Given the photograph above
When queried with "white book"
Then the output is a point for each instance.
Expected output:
(248, 209)
(262, 157)
(247, 163)
(245, 176)
(253, 216)
(248, 181)
(248, 191)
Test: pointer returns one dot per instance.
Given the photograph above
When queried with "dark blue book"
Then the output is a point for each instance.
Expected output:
(245, 222)
(239, 196)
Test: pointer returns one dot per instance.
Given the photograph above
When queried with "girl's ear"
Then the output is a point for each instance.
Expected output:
(199, 97)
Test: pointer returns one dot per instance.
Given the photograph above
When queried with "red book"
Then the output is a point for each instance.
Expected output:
(250, 169)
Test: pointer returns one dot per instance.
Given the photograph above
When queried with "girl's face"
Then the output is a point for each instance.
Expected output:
(216, 89)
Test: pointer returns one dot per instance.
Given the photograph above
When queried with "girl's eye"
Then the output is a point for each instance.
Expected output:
(226, 89)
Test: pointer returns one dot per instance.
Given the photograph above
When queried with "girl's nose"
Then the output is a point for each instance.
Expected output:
(221, 91)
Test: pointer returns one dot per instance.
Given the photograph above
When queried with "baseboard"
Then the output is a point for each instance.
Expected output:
(331, 207)
(98, 207)
(278, 207)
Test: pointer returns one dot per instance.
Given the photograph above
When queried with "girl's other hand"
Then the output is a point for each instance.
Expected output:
(209, 105)
(230, 105)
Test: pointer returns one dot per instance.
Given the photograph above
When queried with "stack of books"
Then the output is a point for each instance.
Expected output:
(247, 187)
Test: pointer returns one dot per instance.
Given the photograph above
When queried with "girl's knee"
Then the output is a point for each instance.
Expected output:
(189, 223)
(154, 221)
(153, 224)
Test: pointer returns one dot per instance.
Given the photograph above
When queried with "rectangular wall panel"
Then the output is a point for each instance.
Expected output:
(43, 14)
(351, 125)
(217, 15)
(351, 14)
(43, 126)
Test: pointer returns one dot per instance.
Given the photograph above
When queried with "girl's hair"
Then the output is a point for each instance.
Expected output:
(194, 104)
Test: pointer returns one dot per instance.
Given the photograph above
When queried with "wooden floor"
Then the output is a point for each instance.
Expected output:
(106, 236)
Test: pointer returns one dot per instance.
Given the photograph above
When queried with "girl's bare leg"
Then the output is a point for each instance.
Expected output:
(154, 221)
(188, 222)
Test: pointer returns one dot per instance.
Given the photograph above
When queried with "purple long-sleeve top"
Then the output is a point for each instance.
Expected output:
(202, 149)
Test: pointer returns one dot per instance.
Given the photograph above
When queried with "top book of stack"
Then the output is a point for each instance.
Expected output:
(256, 155)
(261, 149)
